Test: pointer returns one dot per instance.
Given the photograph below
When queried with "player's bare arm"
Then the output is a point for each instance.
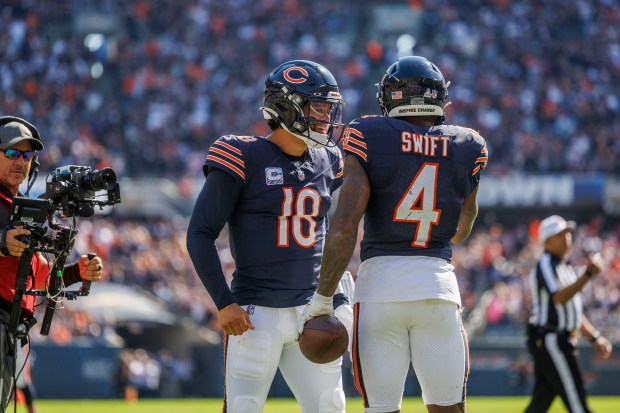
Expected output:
(342, 234)
(469, 212)
(340, 241)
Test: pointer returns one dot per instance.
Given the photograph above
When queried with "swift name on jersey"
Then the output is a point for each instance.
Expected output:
(424, 144)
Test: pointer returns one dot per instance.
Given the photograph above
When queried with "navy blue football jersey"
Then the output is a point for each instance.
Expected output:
(418, 177)
(278, 226)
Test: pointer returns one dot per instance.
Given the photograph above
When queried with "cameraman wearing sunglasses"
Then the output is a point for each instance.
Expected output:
(19, 141)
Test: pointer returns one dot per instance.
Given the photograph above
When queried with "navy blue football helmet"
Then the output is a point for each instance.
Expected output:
(413, 86)
(302, 97)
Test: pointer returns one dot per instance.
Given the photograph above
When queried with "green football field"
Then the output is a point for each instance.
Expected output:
(474, 405)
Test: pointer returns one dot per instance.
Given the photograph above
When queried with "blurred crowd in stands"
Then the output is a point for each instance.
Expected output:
(145, 87)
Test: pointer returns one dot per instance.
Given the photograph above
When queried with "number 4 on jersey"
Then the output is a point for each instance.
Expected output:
(418, 204)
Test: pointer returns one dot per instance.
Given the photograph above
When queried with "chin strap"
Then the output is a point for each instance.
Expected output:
(315, 140)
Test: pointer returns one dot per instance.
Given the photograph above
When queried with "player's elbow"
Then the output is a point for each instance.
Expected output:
(195, 242)
(460, 236)
(457, 239)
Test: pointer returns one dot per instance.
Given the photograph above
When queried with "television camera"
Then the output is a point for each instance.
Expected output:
(70, 191)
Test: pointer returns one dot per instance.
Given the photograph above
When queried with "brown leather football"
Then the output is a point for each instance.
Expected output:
(323, 339)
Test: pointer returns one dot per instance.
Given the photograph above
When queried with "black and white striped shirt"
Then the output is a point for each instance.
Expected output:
(550, 275)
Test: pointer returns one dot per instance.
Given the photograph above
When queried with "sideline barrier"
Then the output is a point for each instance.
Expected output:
(499, 367)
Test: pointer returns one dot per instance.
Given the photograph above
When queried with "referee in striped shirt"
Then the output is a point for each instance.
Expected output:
(557, 315)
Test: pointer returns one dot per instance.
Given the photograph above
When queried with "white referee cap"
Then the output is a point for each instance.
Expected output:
(554, 225)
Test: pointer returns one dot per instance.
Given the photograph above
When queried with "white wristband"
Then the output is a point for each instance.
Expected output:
(321, 299)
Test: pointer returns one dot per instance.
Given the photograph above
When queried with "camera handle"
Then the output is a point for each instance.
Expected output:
(64, 240)
(21, 282)
(85, 288)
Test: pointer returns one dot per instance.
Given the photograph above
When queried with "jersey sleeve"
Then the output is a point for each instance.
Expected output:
(226, 154)
(214, 205)
(476, 159)
(338, 170)
(354, 142)
(481, 161)
(479, 164)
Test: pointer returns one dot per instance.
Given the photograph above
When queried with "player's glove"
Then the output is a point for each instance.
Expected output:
(318, 305)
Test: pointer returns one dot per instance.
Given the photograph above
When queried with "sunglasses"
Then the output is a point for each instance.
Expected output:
(13, 154)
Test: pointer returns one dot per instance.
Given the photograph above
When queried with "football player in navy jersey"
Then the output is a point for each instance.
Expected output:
(274, 192)
(415, 181)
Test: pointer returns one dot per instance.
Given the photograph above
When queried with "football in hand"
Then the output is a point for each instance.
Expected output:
(323, 339)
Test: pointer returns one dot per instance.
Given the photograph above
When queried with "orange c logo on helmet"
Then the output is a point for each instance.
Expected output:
(289, 78)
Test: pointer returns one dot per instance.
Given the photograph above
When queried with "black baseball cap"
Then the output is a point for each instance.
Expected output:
(17, 130)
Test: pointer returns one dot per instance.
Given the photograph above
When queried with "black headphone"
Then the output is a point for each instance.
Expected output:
(34, 167)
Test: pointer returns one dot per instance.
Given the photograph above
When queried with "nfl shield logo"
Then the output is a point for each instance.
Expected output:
(430, 94)
(274, 176)
(301, 175)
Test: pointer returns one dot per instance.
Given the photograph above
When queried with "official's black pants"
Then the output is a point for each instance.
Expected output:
(556, 372)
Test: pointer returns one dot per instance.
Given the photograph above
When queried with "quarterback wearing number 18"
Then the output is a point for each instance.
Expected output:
(274, 193)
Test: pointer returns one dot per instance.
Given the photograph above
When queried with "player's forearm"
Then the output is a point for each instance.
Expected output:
(339, 247)
(342, 233)
(214, 205)
(204, 256)
(464, 229)
(469, 212)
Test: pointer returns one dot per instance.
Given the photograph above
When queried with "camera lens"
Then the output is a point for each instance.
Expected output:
(99, 180)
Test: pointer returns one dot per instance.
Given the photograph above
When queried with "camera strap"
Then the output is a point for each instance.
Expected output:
(3, 248)
(24, 324)
(23, 329)
(21, 281)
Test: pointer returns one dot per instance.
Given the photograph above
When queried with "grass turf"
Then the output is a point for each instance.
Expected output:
(354, 405)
